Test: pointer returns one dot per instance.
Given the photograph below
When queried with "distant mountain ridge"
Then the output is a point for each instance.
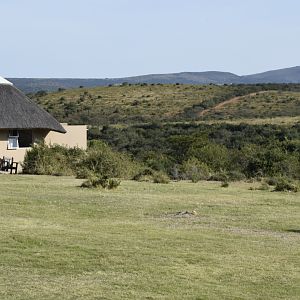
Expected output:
(287, 75)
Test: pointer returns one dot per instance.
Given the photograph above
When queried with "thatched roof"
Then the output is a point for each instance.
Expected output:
(18, 112)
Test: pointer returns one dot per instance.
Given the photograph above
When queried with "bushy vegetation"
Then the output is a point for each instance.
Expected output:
(52, 160)
(103, 182)
(286, 185)
(215, 152)
(98, 163)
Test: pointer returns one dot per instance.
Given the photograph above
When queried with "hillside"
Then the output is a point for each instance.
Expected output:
(287, 75)
(257, 105)
(170, 103)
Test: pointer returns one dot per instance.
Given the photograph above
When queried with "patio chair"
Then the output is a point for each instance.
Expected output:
(7, 164)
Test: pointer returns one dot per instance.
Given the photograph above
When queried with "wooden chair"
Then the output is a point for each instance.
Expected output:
(7, 164)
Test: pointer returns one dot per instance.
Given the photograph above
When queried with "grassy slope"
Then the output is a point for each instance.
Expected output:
(166, 103)
(121, 104)
(261, 105)
(61, 242)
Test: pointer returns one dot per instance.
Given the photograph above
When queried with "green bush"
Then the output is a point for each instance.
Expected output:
(195, 170)
(215, 156)
(152, 176)
(51, 160)
(272, 181)
(101, 160)
(284, 184)
(160, 177)
(103, 182)
(144, 175)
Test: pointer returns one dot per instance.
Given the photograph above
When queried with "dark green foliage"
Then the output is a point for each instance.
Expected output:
(286, 185)
(231, 152)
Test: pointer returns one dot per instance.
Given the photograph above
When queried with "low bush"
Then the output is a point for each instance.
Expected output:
(99, 160)
(286, 185)
(152, 176)
(160, 177)
(101, 182)
(51, 160)
(195, 170)
(144, 175)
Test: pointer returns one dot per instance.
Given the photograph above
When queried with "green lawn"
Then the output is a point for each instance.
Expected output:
(59, 241)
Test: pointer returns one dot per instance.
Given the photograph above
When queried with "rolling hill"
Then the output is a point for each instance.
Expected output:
(134, 104)
(288, 75)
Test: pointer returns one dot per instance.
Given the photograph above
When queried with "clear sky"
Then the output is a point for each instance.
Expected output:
(117, 38)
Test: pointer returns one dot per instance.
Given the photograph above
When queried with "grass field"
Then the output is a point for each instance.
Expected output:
(59, 241)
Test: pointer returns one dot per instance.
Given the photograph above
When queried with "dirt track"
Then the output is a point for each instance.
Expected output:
(230, 101)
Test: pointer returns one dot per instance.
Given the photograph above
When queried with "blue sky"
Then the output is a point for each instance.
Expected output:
(116, 38)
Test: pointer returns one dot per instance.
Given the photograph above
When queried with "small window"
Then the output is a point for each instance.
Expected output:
(13, 142)
(19, 139)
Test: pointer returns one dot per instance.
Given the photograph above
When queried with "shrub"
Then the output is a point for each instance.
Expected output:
(83, 173)
(160, 177)
(98, 160)
(214, 155)
(284, 184)
(195, 170)
(271, 181)
(144, 175)
(101, 160)
(103, 182)
(51, 160)
(151, 175)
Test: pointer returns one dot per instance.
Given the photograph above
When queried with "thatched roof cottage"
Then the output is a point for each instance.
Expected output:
(22, 123)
